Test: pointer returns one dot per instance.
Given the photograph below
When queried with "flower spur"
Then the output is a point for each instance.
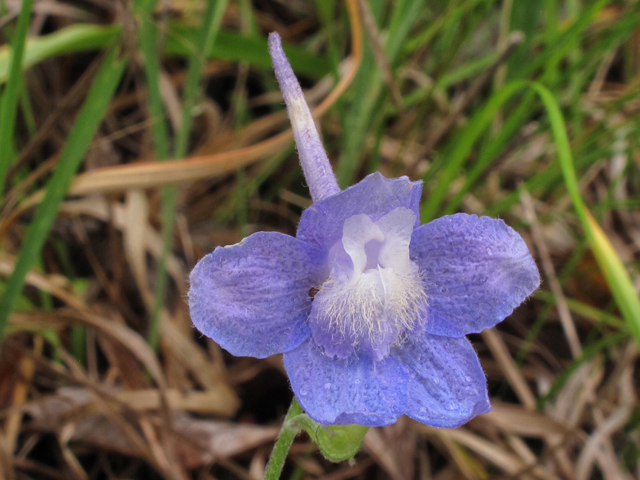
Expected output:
(369, 308)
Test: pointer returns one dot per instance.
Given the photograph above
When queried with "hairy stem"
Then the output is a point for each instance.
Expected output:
(281, 448)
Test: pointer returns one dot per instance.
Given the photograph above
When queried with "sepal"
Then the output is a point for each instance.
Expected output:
(337, 442)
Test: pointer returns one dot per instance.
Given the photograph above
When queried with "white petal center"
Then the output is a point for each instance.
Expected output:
(382, 298)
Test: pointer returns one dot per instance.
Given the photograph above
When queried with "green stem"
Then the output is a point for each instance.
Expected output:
(283, 443)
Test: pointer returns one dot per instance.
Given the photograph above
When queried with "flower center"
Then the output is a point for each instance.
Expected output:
(374, 295)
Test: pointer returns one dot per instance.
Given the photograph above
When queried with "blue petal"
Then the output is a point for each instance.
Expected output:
(447, 386)
(253, 298)
(476, 270)
(321, 223)
(342, 392)
(334, 343)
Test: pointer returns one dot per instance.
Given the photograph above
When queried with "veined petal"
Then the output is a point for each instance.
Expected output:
(321, 224)
(447, 386)
(475, 271)
(342, 392)
(252, 298)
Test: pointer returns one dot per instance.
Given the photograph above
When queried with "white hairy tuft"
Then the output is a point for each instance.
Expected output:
(379, 303)
(375, 296)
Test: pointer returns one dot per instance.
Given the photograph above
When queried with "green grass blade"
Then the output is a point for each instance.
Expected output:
(587, 311)
(461, 147)
(208, 33)
(11, 93)
(404, 16)
(553, 53)
(206, 40)
(76, 38)
(367, 107)
(608, 260)
(231, 46)
(72, 153)
(612, 267)
(148, 44)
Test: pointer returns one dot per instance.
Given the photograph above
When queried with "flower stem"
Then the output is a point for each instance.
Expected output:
(283, 443)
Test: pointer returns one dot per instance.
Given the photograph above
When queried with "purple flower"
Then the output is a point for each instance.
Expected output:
(369, 307)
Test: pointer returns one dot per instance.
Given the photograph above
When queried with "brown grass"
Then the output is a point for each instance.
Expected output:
(117, 409)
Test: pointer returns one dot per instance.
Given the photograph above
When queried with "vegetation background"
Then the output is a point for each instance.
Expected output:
(135, 136)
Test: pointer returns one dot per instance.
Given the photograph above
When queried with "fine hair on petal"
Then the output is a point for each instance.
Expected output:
(380, 303)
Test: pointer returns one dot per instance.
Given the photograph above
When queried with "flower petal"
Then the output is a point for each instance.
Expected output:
(475, 270)
(342, 392)
(321, 223)
(397, 227)
(447, 386)
(357, 232)
(253, 297)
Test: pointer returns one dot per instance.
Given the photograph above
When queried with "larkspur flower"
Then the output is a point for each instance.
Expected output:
(369, 307)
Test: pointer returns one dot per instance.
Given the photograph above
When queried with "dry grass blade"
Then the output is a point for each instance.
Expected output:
(522, 421)
(27, 370)
(129, 339)
(547, 264)
(116, 214)
(374, 442)
(202, 440)
(378, 51)
(511, 371)
(157, 174)
(83, 396)
(589, 453)
(135, 227)
(494, 453)
(210, 402)
(53, 284)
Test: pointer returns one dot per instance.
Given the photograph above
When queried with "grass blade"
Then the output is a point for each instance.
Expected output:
(207, 35)
(210, 28)
(612, 267)
(72, 154)
(229, 45)
(621, 286)
(148, 44)
(75, 38)
(462, 145)
(12, 91)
